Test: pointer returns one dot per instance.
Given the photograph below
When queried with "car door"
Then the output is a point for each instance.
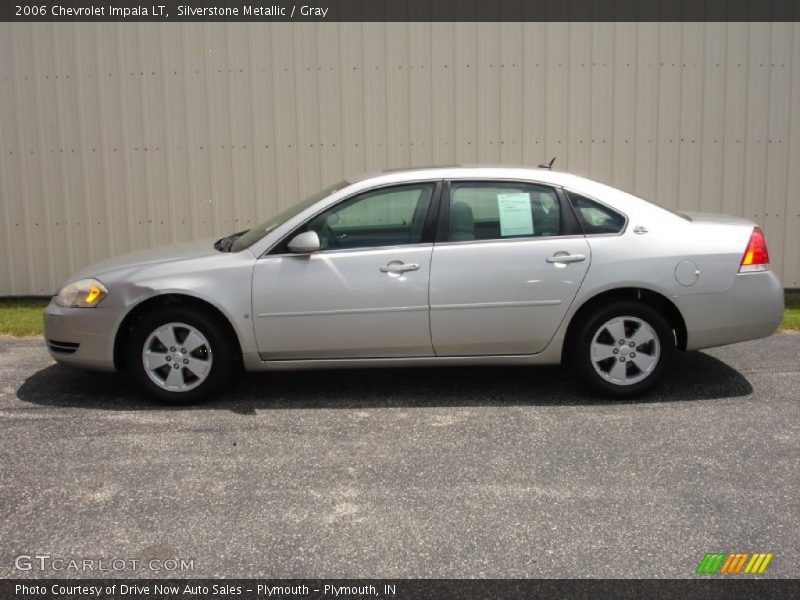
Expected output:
(364, 294)
(508, 261)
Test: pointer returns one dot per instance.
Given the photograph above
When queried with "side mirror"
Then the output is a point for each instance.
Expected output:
(304, 243)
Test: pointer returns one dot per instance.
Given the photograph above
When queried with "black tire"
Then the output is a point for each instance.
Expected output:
(220, 351)
(637, 381)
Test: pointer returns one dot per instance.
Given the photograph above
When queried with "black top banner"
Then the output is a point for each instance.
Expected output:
(396, 589)
(400, 10)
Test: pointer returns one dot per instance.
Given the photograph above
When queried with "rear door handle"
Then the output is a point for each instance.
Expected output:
(397, 266)
(566, 258)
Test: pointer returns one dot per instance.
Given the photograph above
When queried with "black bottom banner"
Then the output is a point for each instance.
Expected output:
(395, 589)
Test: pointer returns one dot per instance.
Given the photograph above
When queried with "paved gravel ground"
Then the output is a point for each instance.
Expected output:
(493, 472)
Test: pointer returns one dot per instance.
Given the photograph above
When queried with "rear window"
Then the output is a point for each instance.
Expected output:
(596, 218)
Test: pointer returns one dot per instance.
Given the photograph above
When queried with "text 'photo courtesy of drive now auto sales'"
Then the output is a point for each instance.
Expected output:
(192, 589)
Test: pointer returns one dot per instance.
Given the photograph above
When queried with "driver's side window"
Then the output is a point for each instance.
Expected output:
(390, 216)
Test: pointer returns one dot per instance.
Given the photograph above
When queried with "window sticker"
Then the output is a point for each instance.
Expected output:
(515, 214)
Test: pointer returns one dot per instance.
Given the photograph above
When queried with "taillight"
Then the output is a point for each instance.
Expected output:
(756, 257)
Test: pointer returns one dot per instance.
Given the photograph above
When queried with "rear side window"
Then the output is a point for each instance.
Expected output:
(596, 218)
(500, 210)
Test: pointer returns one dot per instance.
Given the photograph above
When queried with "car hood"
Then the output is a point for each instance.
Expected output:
(127, 263)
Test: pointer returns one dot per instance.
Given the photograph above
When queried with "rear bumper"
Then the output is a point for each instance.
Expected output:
(82, 337)
(751, 309)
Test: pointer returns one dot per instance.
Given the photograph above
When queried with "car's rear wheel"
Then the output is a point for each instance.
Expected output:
(179, 355)
(624, 349)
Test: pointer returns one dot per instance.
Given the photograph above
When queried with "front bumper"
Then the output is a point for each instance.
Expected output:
(82, 337)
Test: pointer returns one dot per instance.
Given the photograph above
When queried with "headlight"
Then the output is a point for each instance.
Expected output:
(85, 293)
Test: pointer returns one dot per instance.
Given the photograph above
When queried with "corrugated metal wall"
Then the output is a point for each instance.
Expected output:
(115, 137)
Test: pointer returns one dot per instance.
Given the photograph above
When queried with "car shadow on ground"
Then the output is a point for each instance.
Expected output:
(694, 376)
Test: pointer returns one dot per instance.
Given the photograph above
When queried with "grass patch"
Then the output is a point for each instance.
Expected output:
(22, 317)
(791, 316)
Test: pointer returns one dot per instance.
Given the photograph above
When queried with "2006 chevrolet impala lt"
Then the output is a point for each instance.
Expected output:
(439, 266)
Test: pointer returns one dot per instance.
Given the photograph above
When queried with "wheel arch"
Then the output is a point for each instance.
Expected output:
(636, 294)
(171, 299)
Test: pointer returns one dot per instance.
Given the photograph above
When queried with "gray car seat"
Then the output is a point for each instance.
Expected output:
(462, 222)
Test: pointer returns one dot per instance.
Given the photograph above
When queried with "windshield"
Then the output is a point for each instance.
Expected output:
(259, 231)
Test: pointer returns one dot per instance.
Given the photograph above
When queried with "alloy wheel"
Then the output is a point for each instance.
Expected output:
(625, 350)
(177, 357)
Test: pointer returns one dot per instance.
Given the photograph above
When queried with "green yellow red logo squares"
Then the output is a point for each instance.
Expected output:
(734, 562)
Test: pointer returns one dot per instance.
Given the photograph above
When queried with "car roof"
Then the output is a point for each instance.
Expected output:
(619, 199)
(472, 171)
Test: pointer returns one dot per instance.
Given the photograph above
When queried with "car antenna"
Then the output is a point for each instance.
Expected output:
(548, 165)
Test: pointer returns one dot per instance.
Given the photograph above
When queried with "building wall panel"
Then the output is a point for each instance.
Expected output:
(648, 36)
(712, 119)
(790, 246)
(775, 194)
(599, 142)
(116, 137)
(465, 93)
(441, 93)
(14, 269)
(623, 107)
(534, 93)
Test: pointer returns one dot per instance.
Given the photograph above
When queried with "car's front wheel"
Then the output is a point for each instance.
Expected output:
(179, 355)
(624, 349)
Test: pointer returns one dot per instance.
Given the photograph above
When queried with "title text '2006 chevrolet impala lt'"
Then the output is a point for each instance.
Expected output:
(440, 266)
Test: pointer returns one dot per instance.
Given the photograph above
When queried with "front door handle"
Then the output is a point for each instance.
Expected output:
(398, 266)
(566, 258)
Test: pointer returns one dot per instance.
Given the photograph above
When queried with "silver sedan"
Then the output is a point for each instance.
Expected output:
(441, 266)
